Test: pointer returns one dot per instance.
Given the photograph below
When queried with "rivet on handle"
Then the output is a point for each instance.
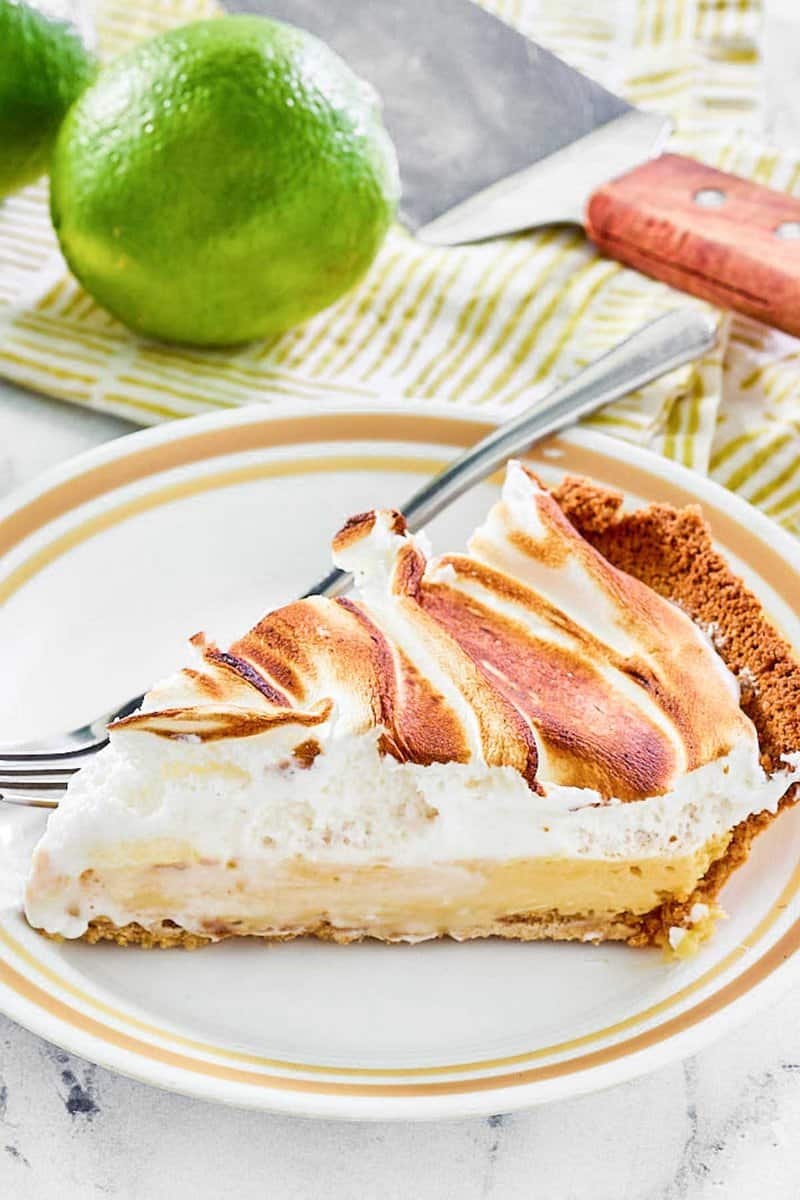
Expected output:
(789, 230)
(709, 198)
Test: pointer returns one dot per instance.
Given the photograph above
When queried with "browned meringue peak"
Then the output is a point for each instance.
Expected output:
(406, 676)
(531, 652)
(624, 625)
(303, 655)
(325, 648)
(592, 728)
(210, 724)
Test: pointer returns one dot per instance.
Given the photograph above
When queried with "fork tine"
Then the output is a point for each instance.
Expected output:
(86, 739)
(35, 779)
(29, 800)
(11, 764)
(55, 756)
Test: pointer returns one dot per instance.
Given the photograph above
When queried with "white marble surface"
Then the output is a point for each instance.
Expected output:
(721, 1125)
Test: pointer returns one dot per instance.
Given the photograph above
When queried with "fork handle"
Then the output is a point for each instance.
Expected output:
(660, 346)
(28, 799)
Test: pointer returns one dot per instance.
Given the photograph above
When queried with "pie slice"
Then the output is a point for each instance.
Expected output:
(535, 739)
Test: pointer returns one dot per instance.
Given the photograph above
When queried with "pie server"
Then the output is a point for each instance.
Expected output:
(495, 135)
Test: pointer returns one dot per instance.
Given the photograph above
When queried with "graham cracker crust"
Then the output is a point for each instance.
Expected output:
(671, 551)
(523, 927)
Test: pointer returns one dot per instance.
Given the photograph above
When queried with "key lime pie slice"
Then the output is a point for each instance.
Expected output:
(524, 741)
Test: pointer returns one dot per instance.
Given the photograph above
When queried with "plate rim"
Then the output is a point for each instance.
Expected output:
(252, 414)
(430, 1106)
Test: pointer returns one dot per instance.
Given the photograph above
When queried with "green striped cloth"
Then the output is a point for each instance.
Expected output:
(489, 326)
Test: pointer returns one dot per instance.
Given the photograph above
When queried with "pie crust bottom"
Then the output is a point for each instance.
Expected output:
(530, 927)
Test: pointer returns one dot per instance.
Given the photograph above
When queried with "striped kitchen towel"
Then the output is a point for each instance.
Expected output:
(490, 326)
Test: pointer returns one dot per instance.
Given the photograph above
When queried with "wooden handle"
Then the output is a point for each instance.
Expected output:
(707, 233)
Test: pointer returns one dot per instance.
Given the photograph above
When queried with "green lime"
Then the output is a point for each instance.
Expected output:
(44, 66)
(223, 181)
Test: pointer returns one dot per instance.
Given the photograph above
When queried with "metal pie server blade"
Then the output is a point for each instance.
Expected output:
(493, 133)
(496, 135)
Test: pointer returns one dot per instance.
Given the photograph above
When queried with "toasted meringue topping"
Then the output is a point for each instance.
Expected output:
(531, 652)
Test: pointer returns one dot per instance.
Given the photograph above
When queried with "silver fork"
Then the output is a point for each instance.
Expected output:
(36, 774)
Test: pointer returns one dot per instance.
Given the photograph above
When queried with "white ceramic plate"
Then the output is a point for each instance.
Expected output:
(110, 563)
